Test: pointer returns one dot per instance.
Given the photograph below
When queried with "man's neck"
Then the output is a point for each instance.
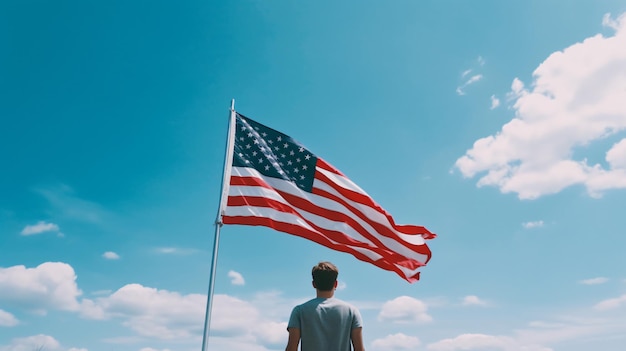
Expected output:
(325, 294)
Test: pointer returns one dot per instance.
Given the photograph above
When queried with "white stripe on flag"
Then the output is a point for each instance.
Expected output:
(323, 202)
(289, 218)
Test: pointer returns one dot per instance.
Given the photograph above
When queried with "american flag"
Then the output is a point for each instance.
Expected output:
(278, 183)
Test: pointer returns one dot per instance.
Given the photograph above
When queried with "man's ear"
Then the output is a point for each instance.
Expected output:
(336, 282)
(313, 282)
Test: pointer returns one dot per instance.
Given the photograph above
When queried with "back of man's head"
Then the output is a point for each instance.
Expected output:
(324, 276)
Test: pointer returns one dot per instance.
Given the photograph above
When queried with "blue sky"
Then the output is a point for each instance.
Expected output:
(500, 126)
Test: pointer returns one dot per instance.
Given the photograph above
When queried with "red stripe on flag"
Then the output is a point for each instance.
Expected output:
(380, 228)
(271, 186)
(313, 236)
(293, 204)
(368, 201)
(333, 235)
(327, 166)
(252, 181)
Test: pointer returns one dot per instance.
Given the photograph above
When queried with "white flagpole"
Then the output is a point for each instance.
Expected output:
(228, 157)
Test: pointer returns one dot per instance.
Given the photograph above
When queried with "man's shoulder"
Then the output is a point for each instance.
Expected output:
(307, 304)
(341, 305)
(340, 302)
(312, 301)
(332, 302)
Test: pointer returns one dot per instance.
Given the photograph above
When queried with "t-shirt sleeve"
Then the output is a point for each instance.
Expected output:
(294, 319)
(357, 322)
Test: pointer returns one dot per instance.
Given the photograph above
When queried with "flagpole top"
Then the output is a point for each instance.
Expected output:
(232, 105)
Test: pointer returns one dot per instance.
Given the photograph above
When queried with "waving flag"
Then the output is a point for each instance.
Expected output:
(278, 183)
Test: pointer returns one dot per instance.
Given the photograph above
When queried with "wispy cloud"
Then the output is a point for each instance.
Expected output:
(7, 319)
(610, 304)
(65, 203)
(483, 342)
(594, 281)
(473, 300)
(34, 342)
(495, 102)
(532, 224)
(537, 335)
(608, 21)
(460, 90)
(473, 79)
(236, 278)
(110, 255)
(397, 341)
(39, 228)
(175, 250)
(341, 285)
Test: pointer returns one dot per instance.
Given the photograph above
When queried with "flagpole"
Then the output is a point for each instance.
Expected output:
(228, 156)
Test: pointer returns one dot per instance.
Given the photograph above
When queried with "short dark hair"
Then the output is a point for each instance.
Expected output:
(324, 276)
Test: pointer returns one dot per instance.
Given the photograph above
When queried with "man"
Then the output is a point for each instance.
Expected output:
(325, 323)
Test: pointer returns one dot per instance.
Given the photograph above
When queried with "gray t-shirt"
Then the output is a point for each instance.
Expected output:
(325, 324)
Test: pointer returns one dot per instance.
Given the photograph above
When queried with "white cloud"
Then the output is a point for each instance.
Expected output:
(495, 102)
(532, 224)
(542, 335)
(608, 21)
(397, 341)
(568, 329)
(36, 342)
(40, 227)
(272, 333)
(473, 79)
(517, 88)
(611, 304)
(616, 156)
(576, 98)
(246, 343)
(341, 285)
(51, 285)
(151, 312)
(594, 281)
(465, 73)
(236, 278)
(167, 315)
(151, 349)
(481, 60)
(7, 319)
(473, 300)
(483, 342)
(274, 304)
(404, 309)
(580, 328)
(110, 255)
(31, 343)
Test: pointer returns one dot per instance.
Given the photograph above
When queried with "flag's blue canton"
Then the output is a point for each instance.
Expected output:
(273, 153)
